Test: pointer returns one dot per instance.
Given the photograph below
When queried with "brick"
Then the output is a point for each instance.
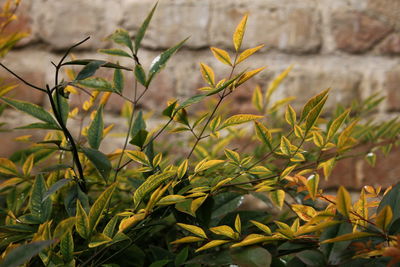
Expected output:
(305, 82)
(356, 32)
(291, 28)
(173, 21)
(391, 45)
(385, 172)
(63, 23)
(392, 87)
(387, 10)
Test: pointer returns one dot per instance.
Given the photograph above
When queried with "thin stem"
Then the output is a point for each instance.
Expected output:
(22, 80)
(127, 136)
(221, 98)
(71, 140)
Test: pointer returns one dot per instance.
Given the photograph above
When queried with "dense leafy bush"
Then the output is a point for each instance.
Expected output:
(66, 203)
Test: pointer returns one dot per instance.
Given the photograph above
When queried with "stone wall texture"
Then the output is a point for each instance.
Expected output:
(351, 46)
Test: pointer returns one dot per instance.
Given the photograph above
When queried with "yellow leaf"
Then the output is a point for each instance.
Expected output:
(193, 229)
(212, 244)
(224, 230)
(260, 171)
(128, 223)
(384, 218)
(238, 224)
(350, 236)
(104, 98)
(239, 119)
(276, 82)
(254, 239)
(171, 199)
(248, 52)
(262, 227)
(247, 75)
(277, 197)
(257, 99)
(187, 239)
(232, 155)
(28, 164)
(306, 213)
(23, 138)
(318, 139)
(290, 116)
(196, 203)
(239, 33)
(312, 185)
(314, 228)
(287, 171)
(182, 169)
(221, 55)
(138, 156)
(8, 167)
(208, 74)
(220, 183)
(263, 134)
(327, 167)
(206, 164)
(343, 201)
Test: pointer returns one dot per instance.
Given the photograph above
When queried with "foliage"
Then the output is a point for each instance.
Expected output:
(67, 203)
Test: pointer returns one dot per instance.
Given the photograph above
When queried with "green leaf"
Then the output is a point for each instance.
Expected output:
(90, 69)
(73, 194)
(391, 199)
(182, 257)
(67, 247)
(115, 52)
(151, 183)
(239, 119)
(121, 36)
(99, 160)
(169, 110)
(139, 139)
(190, 101)
(31, 109)
(160, 61)
(138, 124)
(118, 81)
(99, 206)
(252, 257)
(110, 227)
(39, 125)
(312, 258)
(63, 227)
(160, 263)
(40, 209)
(140, 75)
(87, 61)
(24, 253)
(95, 131)
(62, 107)
(55, 187)
(99, 84)
(82, 221)
(142, 30)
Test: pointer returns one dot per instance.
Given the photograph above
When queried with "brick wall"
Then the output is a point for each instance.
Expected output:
(352, 46)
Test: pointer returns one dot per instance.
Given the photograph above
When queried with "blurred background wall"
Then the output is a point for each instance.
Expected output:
(351, 46)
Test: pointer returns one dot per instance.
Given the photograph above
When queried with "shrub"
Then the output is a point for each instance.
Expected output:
(66, 203)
